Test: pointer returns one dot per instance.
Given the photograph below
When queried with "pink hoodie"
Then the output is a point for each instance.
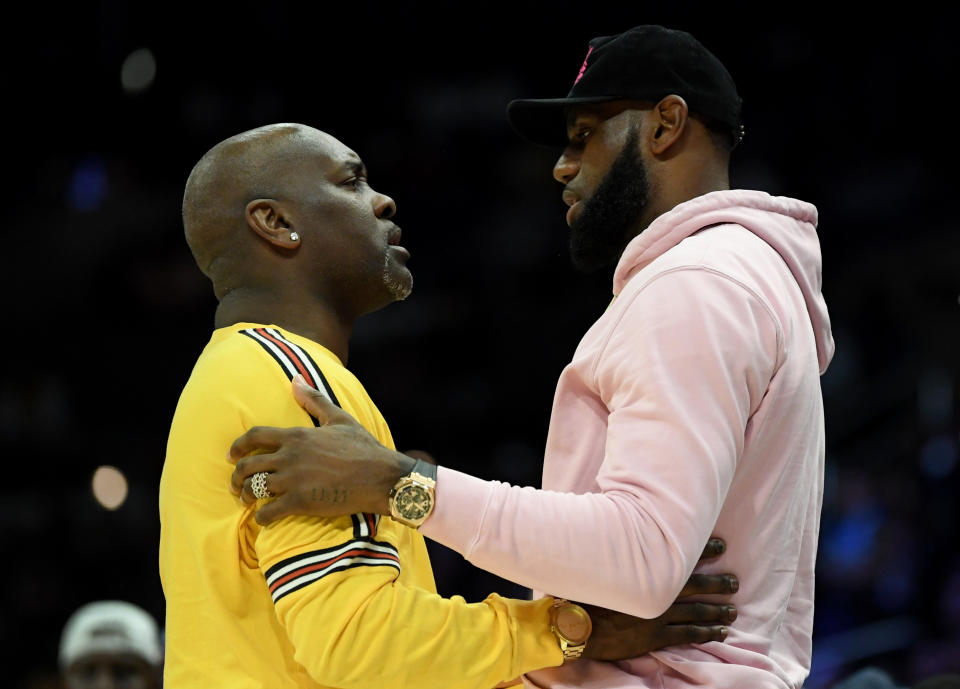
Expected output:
(691, 407)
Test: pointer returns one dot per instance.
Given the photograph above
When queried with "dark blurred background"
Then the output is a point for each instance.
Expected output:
(110, 104)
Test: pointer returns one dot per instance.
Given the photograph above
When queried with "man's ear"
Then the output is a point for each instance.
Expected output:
(266, 218)
(670, 117)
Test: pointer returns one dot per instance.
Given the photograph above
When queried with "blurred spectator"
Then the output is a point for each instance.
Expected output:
(111, 645)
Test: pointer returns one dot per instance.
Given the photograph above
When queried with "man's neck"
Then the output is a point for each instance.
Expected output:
(316, 321)
(680, 191)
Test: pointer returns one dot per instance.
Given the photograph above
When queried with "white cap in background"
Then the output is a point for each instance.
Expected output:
(110, 626)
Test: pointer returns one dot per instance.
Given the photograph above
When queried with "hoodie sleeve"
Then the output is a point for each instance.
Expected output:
(680, 375)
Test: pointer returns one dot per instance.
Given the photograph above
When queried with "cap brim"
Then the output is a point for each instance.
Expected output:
(543, 121)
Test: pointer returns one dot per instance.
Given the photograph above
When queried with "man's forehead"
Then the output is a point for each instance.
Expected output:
(572, 112)
(349, 161)
(335, 153)
(125, 658)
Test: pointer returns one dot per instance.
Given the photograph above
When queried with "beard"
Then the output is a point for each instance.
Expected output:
(605, 226)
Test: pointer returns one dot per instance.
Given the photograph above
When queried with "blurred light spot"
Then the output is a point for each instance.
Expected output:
(938, 456)
(109, 487)
(88, 185)
(138, 71)
(852, 542)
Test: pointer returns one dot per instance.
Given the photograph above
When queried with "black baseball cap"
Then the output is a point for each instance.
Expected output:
(644, 63)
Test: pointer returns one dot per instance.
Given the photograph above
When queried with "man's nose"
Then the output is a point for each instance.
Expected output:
(567, 166)
(384, 206)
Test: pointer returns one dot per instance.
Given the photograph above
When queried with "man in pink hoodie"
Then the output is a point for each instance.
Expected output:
(691, 407)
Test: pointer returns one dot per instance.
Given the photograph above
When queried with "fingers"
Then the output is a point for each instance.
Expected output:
(701, 584)
(247, 467)
(318, 406)
(714, 548)
(313, 401)
(675, 635)
(246, 494)
(273, 481)
(699, 613)
(276, 509)
(262, 438)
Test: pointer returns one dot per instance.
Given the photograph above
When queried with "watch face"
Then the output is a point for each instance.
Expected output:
(413, 502)
(574, 624)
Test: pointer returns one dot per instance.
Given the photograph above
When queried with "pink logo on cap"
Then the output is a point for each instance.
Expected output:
(584, 67)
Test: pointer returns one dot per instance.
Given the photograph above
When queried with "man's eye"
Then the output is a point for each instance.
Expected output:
(579, 136)
(355, 182)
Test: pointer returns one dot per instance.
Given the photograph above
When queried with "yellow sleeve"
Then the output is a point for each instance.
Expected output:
(354, 625)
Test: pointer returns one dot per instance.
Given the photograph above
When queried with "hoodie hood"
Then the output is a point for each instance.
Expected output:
(789, 226)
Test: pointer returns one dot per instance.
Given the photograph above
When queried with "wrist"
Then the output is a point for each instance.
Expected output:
(399, 466)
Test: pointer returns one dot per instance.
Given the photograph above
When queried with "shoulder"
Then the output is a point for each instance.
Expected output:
(702, 295)
(231, 360)
(291, 354)
(727, 250)
(717, 266)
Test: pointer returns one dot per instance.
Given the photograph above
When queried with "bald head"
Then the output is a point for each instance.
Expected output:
(283, 220)
(260, 163)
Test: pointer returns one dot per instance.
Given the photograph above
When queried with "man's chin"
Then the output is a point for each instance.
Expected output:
(402, 294)
(399, 283)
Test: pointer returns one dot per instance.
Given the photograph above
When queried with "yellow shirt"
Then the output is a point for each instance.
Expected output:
(346, 602)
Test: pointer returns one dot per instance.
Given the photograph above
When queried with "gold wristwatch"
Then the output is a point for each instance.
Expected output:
(412, 498)
(572, 626)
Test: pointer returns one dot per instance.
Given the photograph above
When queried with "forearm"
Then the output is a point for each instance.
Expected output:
(604, 549)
